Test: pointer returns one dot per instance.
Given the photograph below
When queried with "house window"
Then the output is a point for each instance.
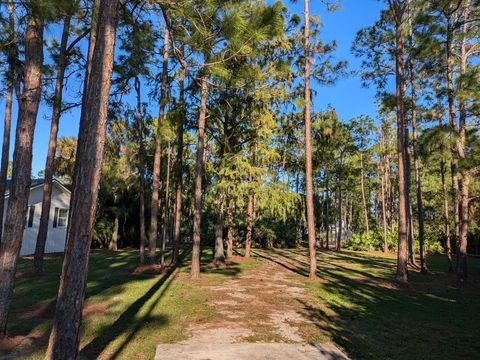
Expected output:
(30, 215)
(60, 218)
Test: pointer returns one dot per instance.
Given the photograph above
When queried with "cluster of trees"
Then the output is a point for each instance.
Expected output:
(196, 127)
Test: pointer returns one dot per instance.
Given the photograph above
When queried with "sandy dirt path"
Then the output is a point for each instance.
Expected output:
(259, 317)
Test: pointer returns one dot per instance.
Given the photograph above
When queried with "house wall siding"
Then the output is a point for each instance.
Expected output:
(56, 236)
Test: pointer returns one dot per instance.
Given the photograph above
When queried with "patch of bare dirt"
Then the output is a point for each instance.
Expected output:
(93, 309)
(11, 346)
(259, 305)
(8, 343)
(44, 310)
(150, 269)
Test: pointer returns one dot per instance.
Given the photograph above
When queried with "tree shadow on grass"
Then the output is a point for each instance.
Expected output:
(127, 324)
(380, 320)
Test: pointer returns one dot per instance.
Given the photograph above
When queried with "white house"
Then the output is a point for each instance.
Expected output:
(57, 226)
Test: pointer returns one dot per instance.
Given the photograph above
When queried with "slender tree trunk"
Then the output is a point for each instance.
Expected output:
(64, 338)
(179, 175)
(327, 210)
(339, 231)
(384, 215)
(199, 168)
(152, 239)
(141, 170)
(402, 255)
(166, 219)
(52, 148)
(219, 255)
(364, 200)
(248, 238)
(418, 180)
(462, 256)
(5, 151)
(453, 124)
(22, 162)
(416, 160)
(448, 243)
(308, 150)
(7, 124)
(113, 246)
(230, 228)
(410, 222)
(466, 175)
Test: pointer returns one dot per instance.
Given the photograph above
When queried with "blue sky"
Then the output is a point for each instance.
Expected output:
(347, 96)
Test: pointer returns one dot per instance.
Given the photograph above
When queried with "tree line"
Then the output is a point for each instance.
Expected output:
(196, 128)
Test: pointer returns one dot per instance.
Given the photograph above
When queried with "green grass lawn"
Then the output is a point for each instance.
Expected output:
(126, 315)
(355, 305)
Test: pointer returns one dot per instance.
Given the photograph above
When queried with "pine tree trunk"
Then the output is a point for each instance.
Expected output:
(453, 124)
(327, 210)
(199, 168)
(7, 124)
(339, 231)
(248, 237)
(22, 161)
(384, 215)
(141, 170)
(466, 175)
(64, 338)
(448, 241)
(113, 246)
(166, 219)
(418, 180)
(152, 239)
(308, 151)
(5, 151)
(219, 255)
(416, 160)
(52, 148)
(402, 255)
(179, 175)
(230, 228)
(411, 227)
(364, 200)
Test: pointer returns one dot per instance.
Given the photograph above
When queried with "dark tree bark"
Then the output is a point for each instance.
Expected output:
(141, 170)
(327, 209)
(410, 222)
(384, 214)
(248, 237)
(339, 231)
(448, 241)
(29, 101)
(199, 168)
(113, 245)
(466, 174)
(179, 169)
(7, 119)
(64, 338)
(219, 254)
(397, 8)
(52, 148)
(152, 239)
(308, 150)
(5, 151)
(166, 218)
(230, 228)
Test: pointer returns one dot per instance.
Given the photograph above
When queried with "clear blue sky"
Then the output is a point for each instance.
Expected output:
(347, 96)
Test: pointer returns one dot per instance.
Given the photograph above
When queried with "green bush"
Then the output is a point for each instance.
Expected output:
(374, 241)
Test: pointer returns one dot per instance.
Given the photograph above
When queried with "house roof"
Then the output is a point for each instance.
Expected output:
(34, 184)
